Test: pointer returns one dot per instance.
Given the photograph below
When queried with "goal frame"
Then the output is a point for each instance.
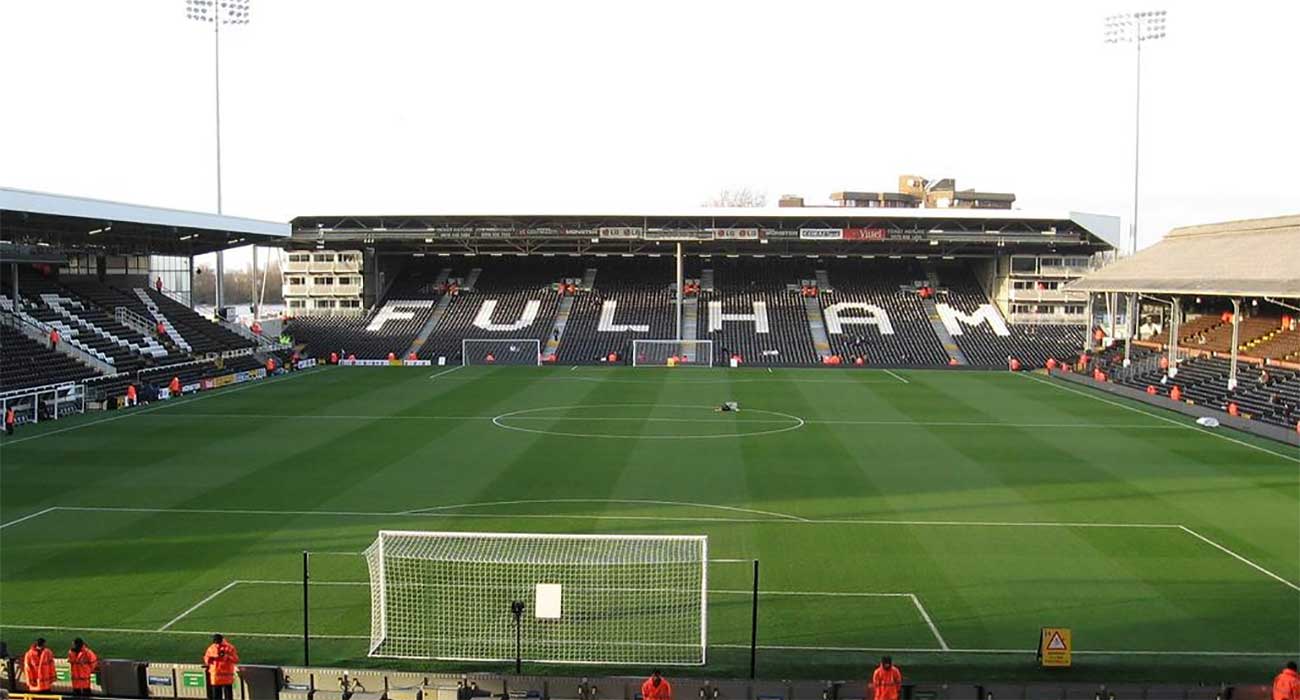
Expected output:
(379, 543)
(464, 344)
(702, 343)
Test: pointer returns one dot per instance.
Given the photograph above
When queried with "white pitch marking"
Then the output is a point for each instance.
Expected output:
(133, 630)
(919, 650)
(897, 376)
(800, 520)
(809, 421)
(1238, 557)
(435, 375)
(458, 506)
(166, 404)
(1181, 424)
(930, 623)
(198, 605)
(924, 650)
(29, 516)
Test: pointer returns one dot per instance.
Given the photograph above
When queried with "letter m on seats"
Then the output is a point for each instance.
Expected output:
(953, 319)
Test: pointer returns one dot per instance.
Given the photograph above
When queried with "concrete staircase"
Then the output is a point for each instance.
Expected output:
(552, 345)
(439, 310)
(824, 281)
(471, 279)
(817, 326)
(158, 316)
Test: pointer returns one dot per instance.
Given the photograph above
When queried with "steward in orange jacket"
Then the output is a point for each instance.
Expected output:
(886, 681)
(84, 663)
(222, 661)
(38, 667)
(1287, 684)
(656, 687)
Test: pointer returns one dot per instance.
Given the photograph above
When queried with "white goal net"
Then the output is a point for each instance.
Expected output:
(508, 351)
(672, 353)
(591, 599)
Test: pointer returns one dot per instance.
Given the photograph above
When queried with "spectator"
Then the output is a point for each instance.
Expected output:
(656, 687)
(886, 681)
(1286, 686)
(222, 661)
(84, 662)
(38, 667)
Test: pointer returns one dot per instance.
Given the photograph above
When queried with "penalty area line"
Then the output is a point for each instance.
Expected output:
(1239, 558)
(897, 376)
(435, 375)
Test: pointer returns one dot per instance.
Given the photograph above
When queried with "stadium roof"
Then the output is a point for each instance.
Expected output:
(77, 223)
(794, 229)
(1252, 257)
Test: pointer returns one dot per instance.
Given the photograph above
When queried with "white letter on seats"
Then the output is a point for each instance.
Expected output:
(876, 316)
(607, 324)
(758, 318)
(484, 318)
(391, 312)
(952, 319)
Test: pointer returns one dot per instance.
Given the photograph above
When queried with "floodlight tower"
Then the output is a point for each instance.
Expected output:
(217, 13)
(1135, 28)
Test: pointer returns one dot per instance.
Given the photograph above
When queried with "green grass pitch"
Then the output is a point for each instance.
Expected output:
(943, 516)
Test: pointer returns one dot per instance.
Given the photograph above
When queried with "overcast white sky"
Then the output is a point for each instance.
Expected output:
(388, 106)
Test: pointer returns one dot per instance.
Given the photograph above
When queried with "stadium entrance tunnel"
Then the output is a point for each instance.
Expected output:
(648, 421)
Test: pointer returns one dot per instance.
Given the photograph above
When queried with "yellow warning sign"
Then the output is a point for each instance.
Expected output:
(1054, 647)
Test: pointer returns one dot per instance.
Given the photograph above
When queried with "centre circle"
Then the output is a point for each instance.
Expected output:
(680, 422)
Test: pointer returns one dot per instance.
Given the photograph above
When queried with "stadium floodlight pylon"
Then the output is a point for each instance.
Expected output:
(506, 351)
(672, 353)
(588, 599)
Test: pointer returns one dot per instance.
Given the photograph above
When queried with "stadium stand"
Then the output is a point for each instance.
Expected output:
(1032, 344)
(642, 295)
(1204, 381)
(28, 363)
(525, 302)
(890, 287)
(203, 335)
(738, 286)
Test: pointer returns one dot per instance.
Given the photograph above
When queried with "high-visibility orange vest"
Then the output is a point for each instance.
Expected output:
(130, 391)
(222, 660)
(663, 691)
(175, 386)
(1287, 685)
(83, 665)
(38, 669)
(1176, 394)
(270, 365)
(10, 419)
(886, 682)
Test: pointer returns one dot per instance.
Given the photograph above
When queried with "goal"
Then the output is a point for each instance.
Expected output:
(672, 353)
(508, 351)
(588, 599)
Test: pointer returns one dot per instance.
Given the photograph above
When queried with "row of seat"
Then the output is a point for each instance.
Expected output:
(1031, 344)
(1269, 394)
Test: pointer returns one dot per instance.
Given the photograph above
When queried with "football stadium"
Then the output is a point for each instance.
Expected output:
(765, 453)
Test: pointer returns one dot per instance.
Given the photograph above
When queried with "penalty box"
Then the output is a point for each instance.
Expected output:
(341, 610)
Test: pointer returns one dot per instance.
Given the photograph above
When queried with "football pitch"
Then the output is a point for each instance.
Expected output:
(940, 516)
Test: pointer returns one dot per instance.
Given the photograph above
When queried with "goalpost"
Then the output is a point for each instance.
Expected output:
(507, 351)
(586, 599)
(672, 353)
